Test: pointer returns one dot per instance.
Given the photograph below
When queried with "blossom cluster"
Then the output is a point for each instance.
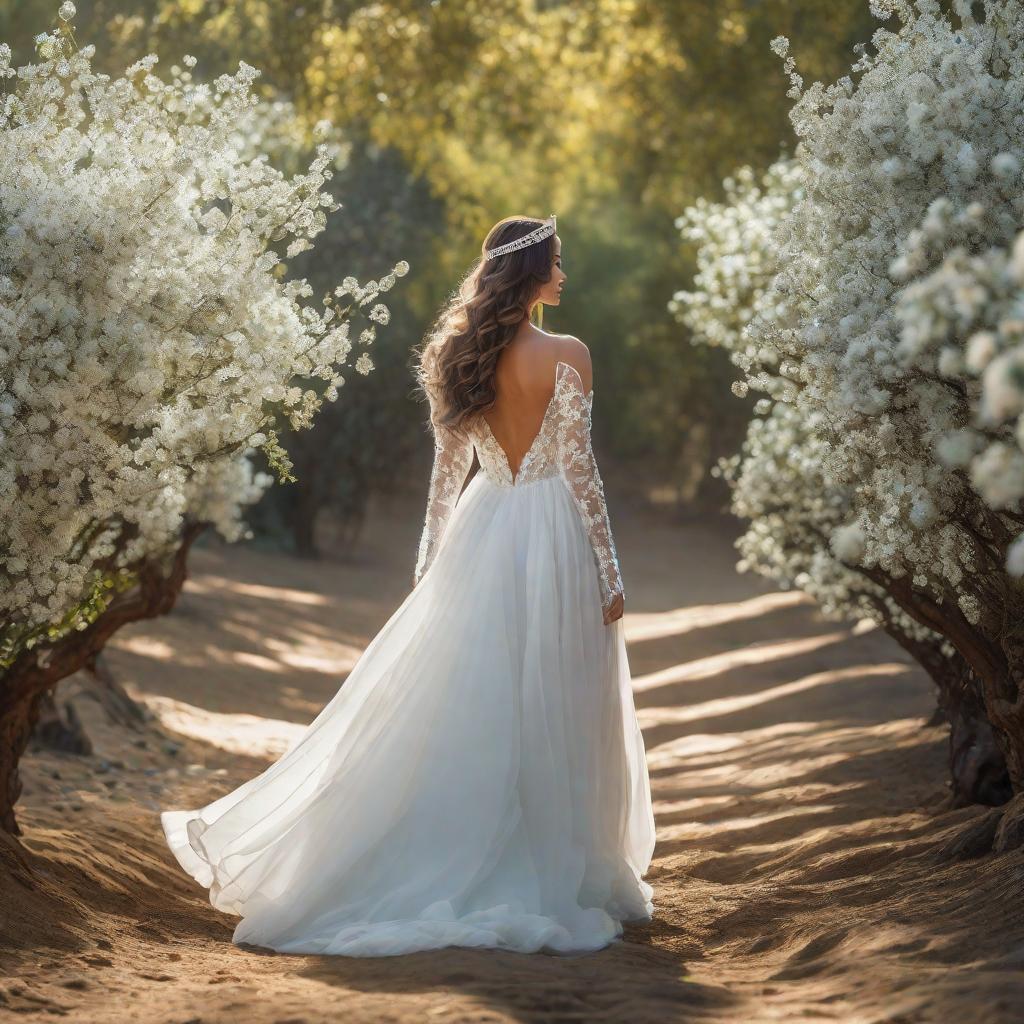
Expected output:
(780, 481)
(735, 258)
(917, 152)
(964, 324)
(149, 336)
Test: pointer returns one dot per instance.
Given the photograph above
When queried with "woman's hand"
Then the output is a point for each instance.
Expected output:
(615, 609)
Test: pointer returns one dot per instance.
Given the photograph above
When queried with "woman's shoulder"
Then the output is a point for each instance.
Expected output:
(566, 348)
(540, 356)
(569, 349)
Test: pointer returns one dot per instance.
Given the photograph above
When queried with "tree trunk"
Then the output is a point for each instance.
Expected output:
(989, 702)
(1007, 718)
(17, 721)
(996, 695)
(977, 765)
(977, 761)
(303, 519)
(34, 673)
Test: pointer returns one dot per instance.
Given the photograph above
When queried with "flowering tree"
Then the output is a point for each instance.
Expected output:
(795, 507)
(930, 123)
(150, 341)
(854, 343)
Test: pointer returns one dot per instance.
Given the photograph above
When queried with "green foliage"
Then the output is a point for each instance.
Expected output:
(105, 586)
(615, 115)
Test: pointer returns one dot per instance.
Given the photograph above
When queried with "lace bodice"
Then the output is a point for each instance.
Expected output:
(562, 447)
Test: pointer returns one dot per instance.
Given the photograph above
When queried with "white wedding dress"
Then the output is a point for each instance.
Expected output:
(480, 778)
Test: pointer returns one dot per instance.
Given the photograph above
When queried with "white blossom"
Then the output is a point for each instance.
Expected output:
(146, 343)
(1006, 166)
(780, 484)
(998, 474)
(849, 302)
(1003, 383)
(900, 182)
(848, 543)
(981, 347)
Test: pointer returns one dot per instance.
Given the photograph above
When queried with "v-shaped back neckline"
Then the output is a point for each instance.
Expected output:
(514, 477)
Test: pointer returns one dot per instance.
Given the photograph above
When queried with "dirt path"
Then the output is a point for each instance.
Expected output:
(798, 873)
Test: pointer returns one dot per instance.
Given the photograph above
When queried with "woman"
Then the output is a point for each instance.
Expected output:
(479, 779)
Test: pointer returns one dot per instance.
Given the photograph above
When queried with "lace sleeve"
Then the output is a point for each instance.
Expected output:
(579, 471)
(453, 455)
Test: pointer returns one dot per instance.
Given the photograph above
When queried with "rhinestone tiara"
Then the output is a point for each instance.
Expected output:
(539, 233)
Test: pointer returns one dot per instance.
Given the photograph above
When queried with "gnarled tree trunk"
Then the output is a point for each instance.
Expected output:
(977, 765)
(24, 686)
(980, 686)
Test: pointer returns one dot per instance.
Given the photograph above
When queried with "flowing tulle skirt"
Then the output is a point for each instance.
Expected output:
(478, 780)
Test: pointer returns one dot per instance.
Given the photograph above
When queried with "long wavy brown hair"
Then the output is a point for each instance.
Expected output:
(459, 355)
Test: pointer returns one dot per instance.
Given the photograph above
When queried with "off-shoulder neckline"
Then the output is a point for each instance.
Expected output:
(562, 362)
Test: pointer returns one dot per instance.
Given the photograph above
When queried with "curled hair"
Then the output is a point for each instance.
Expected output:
(459, 356)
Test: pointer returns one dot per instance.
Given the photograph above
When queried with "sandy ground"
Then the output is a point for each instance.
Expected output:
(800, 804)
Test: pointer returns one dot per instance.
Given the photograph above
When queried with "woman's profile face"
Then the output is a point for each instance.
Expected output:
(551, 292)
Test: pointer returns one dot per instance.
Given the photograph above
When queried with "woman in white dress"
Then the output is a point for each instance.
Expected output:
(480, 778)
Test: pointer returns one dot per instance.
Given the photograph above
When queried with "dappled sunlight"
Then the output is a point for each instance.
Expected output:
(229, 650)
(709, 810)
(220, 586)
(315, 655)
(717, 826)
(253, 634)
(202, 657)
(666, 808)
(806, 791)
(789, 817)
(145, 647)
(786, 800)
(745, 778)
(258, 661)
(756, 654)
(660, 716)
(754, 745)
(234, 679)
(821, 848)
(641, 626)
(234, 733)
(298, 651)
(704, 743)
(258, 619)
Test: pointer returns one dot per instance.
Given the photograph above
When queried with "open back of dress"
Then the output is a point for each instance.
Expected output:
(562, 447)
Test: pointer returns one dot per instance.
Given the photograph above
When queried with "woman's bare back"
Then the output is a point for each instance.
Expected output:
(524, 383)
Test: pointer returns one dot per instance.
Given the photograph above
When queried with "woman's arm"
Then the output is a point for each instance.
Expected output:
(580, 473)
(453, 455)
